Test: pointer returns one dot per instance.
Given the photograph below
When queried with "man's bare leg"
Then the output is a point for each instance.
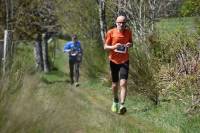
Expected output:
(123, 93)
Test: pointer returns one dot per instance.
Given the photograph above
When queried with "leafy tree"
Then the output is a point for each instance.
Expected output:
(31, 19)
(190, 7)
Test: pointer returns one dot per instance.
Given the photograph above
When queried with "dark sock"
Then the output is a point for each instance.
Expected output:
(116, 100)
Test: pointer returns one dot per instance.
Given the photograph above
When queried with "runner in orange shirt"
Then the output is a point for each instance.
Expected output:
(117, 41)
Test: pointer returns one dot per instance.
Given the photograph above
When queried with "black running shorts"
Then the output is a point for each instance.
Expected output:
(119, 71)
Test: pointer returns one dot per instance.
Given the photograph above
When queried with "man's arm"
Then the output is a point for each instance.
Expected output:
(108, 38)
(111, 47)
(67, 48)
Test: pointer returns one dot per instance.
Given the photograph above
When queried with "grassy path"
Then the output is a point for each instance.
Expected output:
(57, 107)
(60, 108)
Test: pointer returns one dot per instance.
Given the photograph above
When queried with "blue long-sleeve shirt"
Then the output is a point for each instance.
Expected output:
(73, 48)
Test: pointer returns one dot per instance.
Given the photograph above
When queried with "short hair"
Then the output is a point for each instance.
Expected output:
(74, 36)
(121, 19)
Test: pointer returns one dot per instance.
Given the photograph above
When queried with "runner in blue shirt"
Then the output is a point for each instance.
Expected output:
(74, 49)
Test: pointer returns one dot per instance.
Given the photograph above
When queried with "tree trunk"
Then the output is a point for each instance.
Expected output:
(9, 8)
(7, 54)
(45, 53)
(38, 53)
(8, 47)
(152, 5)
(102, 19)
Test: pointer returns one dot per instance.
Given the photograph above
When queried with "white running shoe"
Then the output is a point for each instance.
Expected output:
(122, 109)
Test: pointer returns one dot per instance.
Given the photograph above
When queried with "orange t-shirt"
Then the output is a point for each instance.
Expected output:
(114, 36)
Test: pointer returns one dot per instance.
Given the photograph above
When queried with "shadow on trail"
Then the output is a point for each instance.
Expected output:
(55, 76)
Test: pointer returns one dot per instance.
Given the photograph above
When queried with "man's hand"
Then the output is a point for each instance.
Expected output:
(117, 45)
(73, 53)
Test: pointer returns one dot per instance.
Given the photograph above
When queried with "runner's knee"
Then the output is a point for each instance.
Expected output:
(123, 83)
(114, 85)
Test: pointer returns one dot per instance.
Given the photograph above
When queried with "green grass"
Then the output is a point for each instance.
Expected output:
(61, 59)
(172, 24)
(191, 125)
(166, 117)
(59, 107)
(54, 76)
(168, 28)
(40, 107)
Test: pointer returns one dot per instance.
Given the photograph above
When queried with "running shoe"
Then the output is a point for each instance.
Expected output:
(114, 107)
(122, 109)
(72, 82)
(76, 84)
